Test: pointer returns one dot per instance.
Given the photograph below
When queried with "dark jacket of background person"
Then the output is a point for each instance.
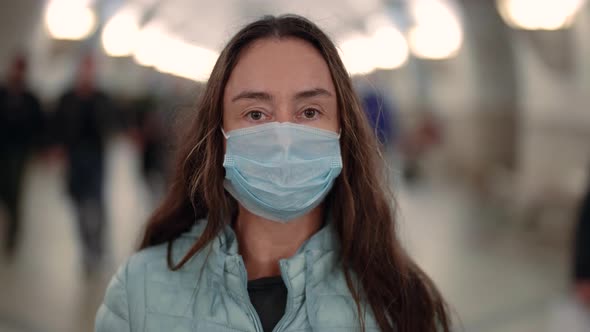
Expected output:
(81, 125)
(21, 121)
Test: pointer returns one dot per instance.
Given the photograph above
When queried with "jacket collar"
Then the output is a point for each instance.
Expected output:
(311, 262)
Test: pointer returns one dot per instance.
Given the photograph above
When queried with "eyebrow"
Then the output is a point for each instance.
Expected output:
(313, 93)
(265, 96)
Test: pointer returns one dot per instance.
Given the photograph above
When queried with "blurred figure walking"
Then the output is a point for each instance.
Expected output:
(582, 253)
(572, 313)
(153, 131)
(426, 135)
(21, 125)
(82, 123)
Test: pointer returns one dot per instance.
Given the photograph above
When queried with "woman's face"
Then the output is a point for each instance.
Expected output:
(284, 80)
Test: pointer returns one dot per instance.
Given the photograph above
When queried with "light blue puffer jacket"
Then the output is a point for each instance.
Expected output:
(210, 293)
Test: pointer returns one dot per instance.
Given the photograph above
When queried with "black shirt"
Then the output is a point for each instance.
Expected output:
(269, 298)
(21, 120)
(82, 122)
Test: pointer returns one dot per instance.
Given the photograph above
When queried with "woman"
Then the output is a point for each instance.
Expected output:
(276, 219)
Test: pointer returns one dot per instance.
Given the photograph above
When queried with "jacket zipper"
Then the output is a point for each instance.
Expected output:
(289, 305)
(251, 310)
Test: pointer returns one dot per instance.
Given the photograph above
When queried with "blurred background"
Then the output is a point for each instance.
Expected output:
(482, 107)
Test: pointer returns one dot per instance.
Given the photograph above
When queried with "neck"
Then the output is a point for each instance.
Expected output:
(263, 242)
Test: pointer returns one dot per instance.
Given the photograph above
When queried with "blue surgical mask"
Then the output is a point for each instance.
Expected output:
(281, 171)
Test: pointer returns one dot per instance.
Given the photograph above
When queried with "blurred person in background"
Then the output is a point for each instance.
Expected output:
(276, 218)
(572, 313)
(426, 135)
(582, 253)
(82, 122)
(153, 140)
(21, 127)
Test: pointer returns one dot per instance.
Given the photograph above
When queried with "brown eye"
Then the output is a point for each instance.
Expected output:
(310, 113)
(255, 115)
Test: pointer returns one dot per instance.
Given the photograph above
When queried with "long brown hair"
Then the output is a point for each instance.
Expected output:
(376, 267)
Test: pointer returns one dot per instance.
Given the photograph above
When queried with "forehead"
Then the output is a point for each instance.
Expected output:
(279, 66)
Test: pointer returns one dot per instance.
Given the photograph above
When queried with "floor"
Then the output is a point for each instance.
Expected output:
(495, 275)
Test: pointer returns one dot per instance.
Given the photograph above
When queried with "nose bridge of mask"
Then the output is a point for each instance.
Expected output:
(277, 133)
(279, 127)
(284, 136)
